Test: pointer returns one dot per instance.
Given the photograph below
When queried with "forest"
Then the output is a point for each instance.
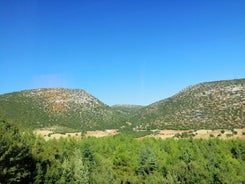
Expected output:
(28, 158)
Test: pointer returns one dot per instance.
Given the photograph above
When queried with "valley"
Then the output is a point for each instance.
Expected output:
(162, 134)
(57, 135)
(208, 106)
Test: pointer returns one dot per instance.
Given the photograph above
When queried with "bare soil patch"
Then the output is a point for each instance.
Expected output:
(49, 134)
(201, 134)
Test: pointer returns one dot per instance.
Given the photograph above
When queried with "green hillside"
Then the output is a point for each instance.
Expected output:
(127, 109)
(206, 105)
(73, 109)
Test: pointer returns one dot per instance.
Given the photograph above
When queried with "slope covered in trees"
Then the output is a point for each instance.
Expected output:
(127, 109)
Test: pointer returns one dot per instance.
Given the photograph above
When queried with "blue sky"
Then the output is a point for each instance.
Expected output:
(122, 52)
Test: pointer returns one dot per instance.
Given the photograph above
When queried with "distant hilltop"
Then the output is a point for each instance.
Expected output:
(208, 105)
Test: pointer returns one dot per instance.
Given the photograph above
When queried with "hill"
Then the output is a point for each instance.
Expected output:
(127, 109)
(208, 105)
(73, 109)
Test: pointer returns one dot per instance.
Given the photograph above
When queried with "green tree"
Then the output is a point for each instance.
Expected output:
(16, 162)
(147, 161)
(74, 170)
(124, 163)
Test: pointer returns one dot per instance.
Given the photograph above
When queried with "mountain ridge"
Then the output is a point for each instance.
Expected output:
(201, 102)
(217, 104)
(57, 106)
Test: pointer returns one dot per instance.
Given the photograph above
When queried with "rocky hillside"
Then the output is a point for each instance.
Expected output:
(207, 105)
(73, 109)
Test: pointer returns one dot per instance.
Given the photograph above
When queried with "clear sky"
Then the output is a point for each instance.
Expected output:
(120, 51)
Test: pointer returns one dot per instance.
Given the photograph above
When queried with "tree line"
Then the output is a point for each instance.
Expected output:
(27, 158)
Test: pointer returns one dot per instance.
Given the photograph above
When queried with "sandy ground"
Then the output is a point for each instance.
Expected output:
(49, 134)
(202, 134)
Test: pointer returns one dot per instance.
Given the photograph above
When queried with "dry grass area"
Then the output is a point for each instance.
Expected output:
(49, 134)
(202, 134)
(163, 134)
(99, 133)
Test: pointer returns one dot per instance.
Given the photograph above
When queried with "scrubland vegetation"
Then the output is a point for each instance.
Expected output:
(216, 108)
(210, 105)
(27, 158)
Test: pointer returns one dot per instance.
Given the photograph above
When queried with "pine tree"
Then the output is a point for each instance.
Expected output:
(74, 170)
(16, 162)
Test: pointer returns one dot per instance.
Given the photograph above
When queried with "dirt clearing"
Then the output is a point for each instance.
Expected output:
(49, 134)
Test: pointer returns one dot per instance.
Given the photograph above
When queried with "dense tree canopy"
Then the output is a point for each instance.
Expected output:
(17, 164)
(25, 158)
